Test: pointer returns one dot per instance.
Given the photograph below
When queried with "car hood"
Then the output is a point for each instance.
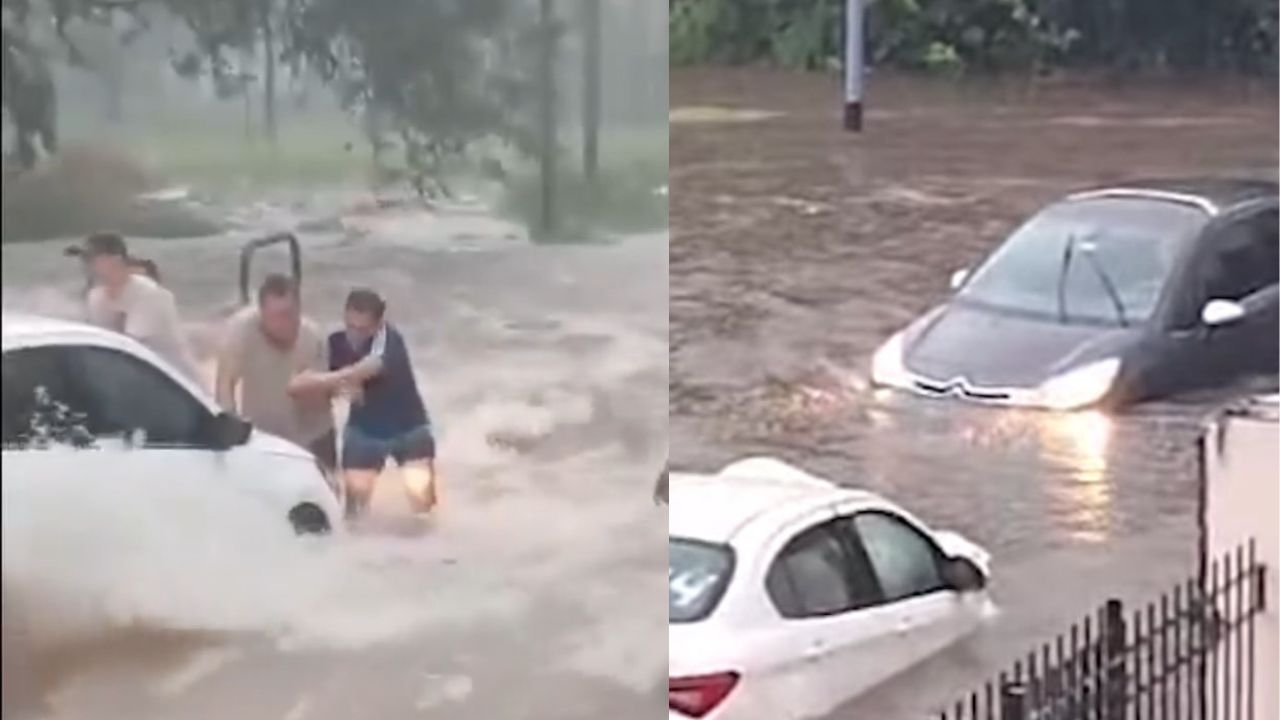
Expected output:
(991, 348)
(267, 443)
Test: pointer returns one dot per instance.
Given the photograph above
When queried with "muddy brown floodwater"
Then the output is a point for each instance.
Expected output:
(797, 248)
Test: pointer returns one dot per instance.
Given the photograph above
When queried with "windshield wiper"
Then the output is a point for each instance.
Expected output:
(1110, 286)
(1068, 252)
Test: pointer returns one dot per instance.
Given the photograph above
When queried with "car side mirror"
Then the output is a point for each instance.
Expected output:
(962, 575)
(227, 431)
(1266, 299)
(959, 277)
(1221, 312)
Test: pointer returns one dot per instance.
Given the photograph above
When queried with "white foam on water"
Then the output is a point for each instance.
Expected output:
(93, 552)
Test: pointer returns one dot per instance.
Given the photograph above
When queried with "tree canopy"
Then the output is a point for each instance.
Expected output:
(958, 35)
(429, 77)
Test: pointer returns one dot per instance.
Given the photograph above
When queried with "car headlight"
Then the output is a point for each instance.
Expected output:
(887, 367)
(1080, 387)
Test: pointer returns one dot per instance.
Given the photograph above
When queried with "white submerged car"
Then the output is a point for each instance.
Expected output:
(79, 398)
(789, 595)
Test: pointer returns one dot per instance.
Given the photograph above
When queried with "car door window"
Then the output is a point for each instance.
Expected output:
(1243, 258)
(39, 405)
(814, 576)
(906, 562)
(126, 397)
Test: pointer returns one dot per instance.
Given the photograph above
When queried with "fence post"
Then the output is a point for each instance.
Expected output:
(1261, 580)
(1113, 646)
(1013, 702)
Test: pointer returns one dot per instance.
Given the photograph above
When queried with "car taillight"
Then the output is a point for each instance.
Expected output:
(696, 696)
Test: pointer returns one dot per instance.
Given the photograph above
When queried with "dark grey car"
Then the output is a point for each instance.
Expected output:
(1110, 296)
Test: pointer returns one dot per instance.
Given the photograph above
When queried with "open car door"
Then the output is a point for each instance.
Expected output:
(253, 246)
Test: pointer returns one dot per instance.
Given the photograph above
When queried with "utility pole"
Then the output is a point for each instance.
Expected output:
(547, 80)
(853, 67)
(591, 32)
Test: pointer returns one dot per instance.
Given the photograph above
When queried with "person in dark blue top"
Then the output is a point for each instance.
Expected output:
(388, 418)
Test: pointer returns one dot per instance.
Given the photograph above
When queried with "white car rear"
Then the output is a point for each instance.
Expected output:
(127, 410)
(789, 595)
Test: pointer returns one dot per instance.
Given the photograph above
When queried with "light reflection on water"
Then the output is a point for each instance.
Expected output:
(1080, 441)
(1037, 478)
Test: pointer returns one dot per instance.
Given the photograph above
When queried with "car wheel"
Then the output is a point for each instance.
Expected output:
(307, 519)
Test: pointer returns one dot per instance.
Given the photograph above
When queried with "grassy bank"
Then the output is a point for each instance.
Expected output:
(307, 152)
(628, 194)
(93, 183)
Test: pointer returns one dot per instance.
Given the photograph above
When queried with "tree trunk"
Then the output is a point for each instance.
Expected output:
(268, 73)
(246, 91)
(547, 91)
(591, 88)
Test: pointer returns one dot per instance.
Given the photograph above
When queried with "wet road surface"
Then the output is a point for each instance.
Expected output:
(537, 591)
(798, 248)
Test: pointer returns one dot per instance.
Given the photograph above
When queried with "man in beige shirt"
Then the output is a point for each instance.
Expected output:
(266, 350)
(132, 303)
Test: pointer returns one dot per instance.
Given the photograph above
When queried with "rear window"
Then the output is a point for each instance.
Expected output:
(697, 574)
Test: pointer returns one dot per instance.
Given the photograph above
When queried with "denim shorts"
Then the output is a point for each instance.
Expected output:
(363, 452)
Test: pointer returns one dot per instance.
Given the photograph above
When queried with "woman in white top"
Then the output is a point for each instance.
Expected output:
(132, 303)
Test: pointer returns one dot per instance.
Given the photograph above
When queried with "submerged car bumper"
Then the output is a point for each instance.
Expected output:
(1075, 388)
(960, 388)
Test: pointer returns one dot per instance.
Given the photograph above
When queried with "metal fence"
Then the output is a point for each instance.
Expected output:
(1187, 655)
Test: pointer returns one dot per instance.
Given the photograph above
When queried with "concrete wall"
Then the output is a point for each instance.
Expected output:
(1242, 502)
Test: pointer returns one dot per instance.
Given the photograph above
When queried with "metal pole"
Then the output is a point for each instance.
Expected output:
(546, 71)
(591, 88)
(853, 65)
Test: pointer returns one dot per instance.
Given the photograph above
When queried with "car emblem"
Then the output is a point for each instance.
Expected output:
(954, 386)
(960, 387)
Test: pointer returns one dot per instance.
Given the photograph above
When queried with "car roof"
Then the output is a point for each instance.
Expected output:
(24, 330)
(1213, 195)
(715, 508)
(26, 324)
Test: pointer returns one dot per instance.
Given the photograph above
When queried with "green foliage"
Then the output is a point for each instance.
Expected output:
(26, 86)
(952, 36)
(624, 198)
(432, 79)
(692, 31)
(1176, 34)
(806, 33)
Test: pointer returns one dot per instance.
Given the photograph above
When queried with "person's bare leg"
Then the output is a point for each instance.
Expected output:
(420, 485)
(360, 485)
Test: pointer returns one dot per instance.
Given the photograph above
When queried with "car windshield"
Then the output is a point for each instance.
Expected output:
(696, 577)
(1095, 261)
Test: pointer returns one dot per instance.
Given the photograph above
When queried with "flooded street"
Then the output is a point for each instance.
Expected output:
(798, 248)
(534, 594)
